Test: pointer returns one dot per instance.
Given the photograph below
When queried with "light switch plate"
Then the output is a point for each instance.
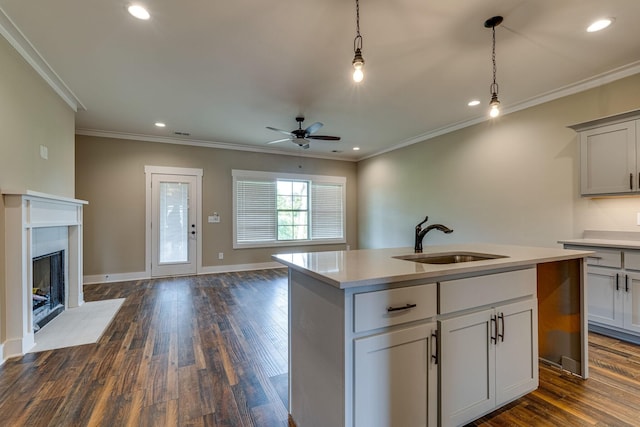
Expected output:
(44, 152)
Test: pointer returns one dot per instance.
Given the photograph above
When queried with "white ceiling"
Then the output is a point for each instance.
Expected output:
(224, 70)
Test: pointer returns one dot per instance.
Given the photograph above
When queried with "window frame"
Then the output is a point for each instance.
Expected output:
(242, 175)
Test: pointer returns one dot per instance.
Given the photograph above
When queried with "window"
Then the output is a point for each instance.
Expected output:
(273, 209)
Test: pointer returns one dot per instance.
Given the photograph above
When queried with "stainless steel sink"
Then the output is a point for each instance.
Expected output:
(448, 258)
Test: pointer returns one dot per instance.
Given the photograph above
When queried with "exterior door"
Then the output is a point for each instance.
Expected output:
(174, 228)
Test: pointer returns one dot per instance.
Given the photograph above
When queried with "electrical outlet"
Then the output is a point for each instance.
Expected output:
(44, 152)
(220, 255)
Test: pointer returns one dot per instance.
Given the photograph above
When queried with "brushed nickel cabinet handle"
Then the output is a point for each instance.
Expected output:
(617, 285)
(630, 181)
(501, 335)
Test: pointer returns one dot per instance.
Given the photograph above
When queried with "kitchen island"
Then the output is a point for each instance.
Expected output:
(381, 338)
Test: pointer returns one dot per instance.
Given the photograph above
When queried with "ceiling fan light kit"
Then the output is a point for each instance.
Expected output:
(494, 104)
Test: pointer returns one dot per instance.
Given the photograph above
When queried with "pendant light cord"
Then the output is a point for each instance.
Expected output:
(494, 86)
(357, 42)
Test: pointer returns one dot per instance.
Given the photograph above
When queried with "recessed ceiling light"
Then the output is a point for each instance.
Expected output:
(356, 148)
(160, 124)
(473, 103)
(600, 24)
(139, 12)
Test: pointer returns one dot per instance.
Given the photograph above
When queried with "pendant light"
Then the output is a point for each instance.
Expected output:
(494, 104)
(358, 61)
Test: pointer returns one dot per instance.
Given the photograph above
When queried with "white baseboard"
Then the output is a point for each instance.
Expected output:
(142, 275)
(18, 346)
(240, 267)
(114, 277)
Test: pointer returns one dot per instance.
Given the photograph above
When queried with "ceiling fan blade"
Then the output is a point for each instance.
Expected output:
(324, 137)
(286, 132)
(279, 140)
(313, 128)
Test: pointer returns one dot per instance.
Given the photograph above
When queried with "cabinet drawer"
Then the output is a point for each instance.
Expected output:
(632, 260)
(372, 309)
(462, 294)
(605, 257)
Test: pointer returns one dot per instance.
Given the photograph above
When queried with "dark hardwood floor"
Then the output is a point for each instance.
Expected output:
(212, 351)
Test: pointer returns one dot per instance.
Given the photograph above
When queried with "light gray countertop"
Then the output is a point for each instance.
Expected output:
(607, 239)
(347, 269)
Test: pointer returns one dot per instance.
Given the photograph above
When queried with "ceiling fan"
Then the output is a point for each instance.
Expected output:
(303, 136)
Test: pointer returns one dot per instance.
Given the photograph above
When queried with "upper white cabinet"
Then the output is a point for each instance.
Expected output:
(610, 155)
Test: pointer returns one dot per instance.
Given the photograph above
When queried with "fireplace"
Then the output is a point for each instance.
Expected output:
(37, 225)
(48, 293)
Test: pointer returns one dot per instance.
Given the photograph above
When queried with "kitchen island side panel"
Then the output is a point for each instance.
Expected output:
(316, 352)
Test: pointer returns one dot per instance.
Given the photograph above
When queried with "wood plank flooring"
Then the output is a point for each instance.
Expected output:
(212, 351)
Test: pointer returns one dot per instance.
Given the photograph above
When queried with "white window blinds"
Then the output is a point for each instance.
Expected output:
(327, 213)
(256, 210)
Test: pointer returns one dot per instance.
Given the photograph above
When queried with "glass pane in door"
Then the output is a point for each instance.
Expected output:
(174, 222)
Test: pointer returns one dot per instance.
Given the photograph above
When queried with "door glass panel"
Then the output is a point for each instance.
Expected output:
(174, 222)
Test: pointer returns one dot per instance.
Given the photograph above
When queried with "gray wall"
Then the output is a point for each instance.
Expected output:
(31, 114)
(110, 175)
(512, 180)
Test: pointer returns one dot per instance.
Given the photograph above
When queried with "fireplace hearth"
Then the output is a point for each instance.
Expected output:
(48, 293)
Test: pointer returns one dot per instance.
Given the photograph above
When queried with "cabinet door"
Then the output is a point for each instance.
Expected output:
(604, 297)
(396, 379)
(608, 159)
(467, 377)
(516, 350)
(632, 302)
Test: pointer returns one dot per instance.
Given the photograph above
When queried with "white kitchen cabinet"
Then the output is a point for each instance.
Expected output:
(488, 358)
(632, 303)
(605, 301)
(396, 378)
(613, 291)
(610, 155)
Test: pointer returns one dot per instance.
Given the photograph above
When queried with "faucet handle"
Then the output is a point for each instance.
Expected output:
(426, 218)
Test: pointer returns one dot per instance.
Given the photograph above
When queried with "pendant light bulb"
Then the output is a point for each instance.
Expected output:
(358, 63)
(494, 109)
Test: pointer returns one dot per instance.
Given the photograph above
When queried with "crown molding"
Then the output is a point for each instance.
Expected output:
(205, 144)
(20, 43)
(581, 86)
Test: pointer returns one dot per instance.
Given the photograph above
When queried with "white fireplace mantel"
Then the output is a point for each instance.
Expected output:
(26, 211)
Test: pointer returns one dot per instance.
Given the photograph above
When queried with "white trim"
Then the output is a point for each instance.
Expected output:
(168, 170)
(23, 46)
(239, 173)
(115, 277)
(240, 267)
(2, 359)
(141, 275)
(581, 86)
(206, 144)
